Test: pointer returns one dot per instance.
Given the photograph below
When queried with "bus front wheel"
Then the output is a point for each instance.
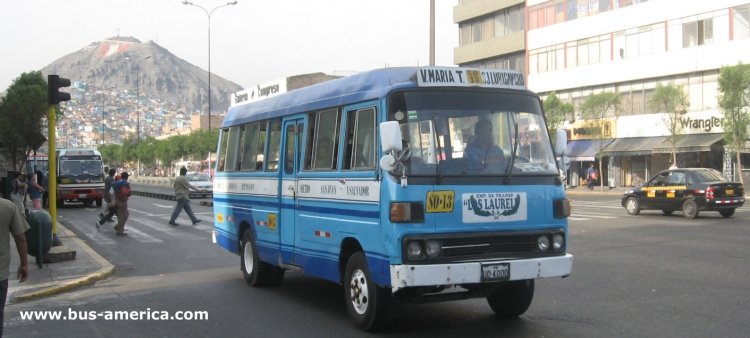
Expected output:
(255, 271)
(512, 299)
(366, 302)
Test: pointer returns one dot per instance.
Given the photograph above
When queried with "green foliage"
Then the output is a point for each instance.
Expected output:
(22, 111)
(734, 100)
(596, 106)
(555, 112)
(149, 151)
(673, 101)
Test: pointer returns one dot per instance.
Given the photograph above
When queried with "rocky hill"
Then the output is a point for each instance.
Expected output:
(127, 63)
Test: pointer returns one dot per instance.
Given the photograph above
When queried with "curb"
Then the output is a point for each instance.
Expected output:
(105, 271)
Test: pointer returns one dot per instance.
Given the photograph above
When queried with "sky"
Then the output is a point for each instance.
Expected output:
(252, 42)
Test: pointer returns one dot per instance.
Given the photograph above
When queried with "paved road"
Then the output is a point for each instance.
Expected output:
(642, 276)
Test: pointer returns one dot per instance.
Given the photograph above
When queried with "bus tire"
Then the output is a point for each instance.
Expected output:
(255, 271)
(98, 202)
(60, 203)
(366, 302)
(512, 299)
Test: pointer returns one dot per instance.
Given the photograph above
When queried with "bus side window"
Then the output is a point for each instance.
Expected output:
(360, 139)
(250, 150)
(325, 141)
(231, 153)
(274, 145)
(222, 151)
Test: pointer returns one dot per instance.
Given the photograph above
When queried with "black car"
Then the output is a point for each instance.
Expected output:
(690, 189)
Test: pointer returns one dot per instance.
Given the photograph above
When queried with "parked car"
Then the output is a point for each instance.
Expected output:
(202, 182)
(690, 190)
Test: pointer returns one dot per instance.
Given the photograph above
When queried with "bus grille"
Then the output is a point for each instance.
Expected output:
(490, 247)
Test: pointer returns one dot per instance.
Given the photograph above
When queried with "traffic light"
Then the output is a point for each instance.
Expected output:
(55, 96)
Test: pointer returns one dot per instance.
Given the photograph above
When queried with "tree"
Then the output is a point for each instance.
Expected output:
(555, 112)
(673, 101)
(597, 107)
(734, 100)
(22, 111)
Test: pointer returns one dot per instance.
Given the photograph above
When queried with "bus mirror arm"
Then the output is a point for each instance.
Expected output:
(393, 163)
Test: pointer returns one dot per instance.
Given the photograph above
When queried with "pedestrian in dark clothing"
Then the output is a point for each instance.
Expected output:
(591, 176)
(35, 192)
(109, 198)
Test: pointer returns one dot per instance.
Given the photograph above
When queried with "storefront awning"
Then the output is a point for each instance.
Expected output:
(689, 143)
(631, 146)
(585, 150)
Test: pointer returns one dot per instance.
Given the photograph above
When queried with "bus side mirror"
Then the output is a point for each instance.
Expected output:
(390, 137)
(561, 142)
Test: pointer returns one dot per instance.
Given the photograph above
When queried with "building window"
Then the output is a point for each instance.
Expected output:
(697, 33)
(506, 21)
(741, 20)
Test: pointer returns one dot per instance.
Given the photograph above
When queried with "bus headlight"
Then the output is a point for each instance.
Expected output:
(557, 242)
(433, 248)
(414, 250)
(542, 243)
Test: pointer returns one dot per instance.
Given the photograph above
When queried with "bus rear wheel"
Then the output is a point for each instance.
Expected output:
(366, 302)
(512, 299)
(98, 202)
(255, 271)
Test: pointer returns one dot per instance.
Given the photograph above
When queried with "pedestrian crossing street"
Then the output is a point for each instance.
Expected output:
(592, 210)
(144, 228)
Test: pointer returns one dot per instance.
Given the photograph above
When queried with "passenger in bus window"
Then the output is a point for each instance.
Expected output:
(482, 148)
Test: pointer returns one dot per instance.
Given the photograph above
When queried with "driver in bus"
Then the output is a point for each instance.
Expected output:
(483, 150)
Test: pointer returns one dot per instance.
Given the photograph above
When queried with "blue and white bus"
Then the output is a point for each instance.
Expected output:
(420, 184)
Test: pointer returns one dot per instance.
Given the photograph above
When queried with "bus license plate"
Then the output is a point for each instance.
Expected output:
(499, 272)
(440, 201)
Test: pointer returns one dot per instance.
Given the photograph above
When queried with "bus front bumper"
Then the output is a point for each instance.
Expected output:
(403, 276)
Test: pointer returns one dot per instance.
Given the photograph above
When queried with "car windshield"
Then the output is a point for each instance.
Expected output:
(197, 177)
(484, 133)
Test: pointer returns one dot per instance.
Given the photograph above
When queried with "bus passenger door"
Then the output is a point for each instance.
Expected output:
(293, 133)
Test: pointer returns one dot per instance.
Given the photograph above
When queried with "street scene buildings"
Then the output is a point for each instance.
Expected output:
(576, 48)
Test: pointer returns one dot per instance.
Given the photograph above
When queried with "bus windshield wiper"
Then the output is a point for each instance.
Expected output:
(509, 171)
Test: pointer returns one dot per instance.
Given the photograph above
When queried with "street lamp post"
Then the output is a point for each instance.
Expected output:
(208, 15)
(138, 99)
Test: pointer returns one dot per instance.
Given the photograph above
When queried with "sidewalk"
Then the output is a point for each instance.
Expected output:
(584, 191)
(53, 278)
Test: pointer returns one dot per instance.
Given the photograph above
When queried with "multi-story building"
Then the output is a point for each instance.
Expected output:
(577, 48)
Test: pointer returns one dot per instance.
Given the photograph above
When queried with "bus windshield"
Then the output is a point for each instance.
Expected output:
(483, 133)
(81, 170)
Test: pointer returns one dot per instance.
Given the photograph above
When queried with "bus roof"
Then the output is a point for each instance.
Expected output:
(369, 85)
(78, 152)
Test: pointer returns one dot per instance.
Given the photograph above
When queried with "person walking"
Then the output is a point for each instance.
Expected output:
(35, 191)
(182, 195)
(591, 176)
(11, 223)
(18, 192)
(45, 194)
(122, 193)
(108, 192)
